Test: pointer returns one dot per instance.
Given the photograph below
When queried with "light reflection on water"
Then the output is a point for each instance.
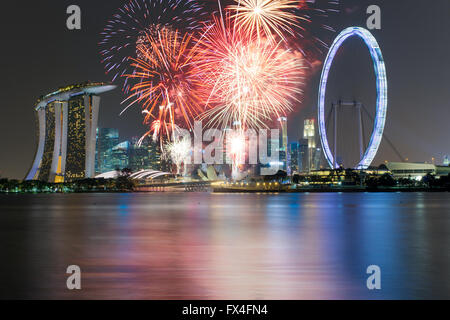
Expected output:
(225, 246)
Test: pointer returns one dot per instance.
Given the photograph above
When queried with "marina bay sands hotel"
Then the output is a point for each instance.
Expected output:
(67, 130)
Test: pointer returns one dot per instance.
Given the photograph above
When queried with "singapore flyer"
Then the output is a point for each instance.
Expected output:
(382, 90)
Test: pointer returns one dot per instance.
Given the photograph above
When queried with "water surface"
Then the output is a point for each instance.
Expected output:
(225, 246)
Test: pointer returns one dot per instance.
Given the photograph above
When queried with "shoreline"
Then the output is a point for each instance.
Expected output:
(334, 190)
(272, 191)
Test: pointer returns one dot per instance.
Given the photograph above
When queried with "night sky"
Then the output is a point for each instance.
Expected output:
(39, 54)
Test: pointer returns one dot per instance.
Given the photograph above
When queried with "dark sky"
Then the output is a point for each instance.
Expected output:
(39, 54)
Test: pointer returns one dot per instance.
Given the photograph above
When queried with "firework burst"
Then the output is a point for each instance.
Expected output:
(166, 81)
(178, 151)
(248, 80)
(238, 67)
(236, 150)
(266, 17)
(298, 22)
(129, 27)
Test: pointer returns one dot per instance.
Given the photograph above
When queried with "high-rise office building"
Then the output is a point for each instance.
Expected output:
(67, 122)
(119, 156)
(274, 153)
(317, 158)
(139, 158)
(107, 138)
(303, 162)
(153, 153)
(145, 155)
(309, 133)
(299, 156)
(294, 151)
(284, 155)
(127, 154)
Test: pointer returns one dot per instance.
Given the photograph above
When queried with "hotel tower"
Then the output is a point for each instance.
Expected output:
(67, 125)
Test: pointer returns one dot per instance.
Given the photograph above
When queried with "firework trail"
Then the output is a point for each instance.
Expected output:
(248, 80)
(314, 30)
(167, 83)
(127, 30)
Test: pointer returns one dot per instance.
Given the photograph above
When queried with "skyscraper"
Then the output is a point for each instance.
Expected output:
(119, 156)
(309, 133)
(145, 155)
(128, 155)
(303, 162)
(317, 158)
(284, 156)
(294, 151)
(67, 120)
(107, 138)
(139, 157)
(152, 153)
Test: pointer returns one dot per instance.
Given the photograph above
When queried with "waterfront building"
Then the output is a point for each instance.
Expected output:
(337, 177)
(67, 130)
(408, 170)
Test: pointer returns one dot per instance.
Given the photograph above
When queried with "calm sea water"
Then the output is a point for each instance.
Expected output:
(225, 246)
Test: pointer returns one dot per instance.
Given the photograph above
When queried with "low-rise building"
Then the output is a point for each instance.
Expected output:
(406, 170)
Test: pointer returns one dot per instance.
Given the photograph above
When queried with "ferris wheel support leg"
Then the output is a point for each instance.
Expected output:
(335, 135)
(361, 146)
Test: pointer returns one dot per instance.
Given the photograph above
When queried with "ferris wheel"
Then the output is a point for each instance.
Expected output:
(368, 156)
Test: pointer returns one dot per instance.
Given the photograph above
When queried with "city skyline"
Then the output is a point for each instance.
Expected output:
(221, 157)
(410, 114)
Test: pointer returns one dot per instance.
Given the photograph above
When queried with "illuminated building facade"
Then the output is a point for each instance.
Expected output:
(294, 152)
(67, 122)
(145, 155)
(119, 156)
(139, 157)
(317, 159)
(107, 138)
(309, 133)
(133, 155)
(303, 161)
(153, 154)
(284, 155)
